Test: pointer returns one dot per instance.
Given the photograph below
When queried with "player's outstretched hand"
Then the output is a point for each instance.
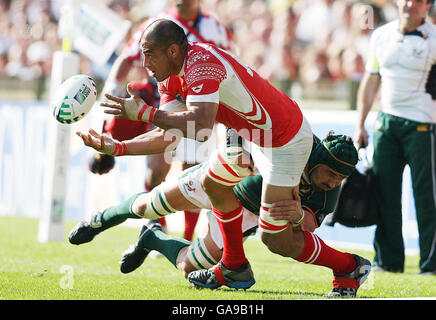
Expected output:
(100, 142)
(128, 108)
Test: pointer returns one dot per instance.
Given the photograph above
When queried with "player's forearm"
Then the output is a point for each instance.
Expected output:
(152, 142)
(366, 95)
(188, 124)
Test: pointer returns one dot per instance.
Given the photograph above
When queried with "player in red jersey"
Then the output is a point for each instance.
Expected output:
(218, 87)
(198, 26)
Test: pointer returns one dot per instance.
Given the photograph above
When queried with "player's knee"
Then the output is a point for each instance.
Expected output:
(275, 242)
(224, 170)
(186, 268)
(283, 243)
(207, 184)
(139, 206)
(152, 205)
(216, 192)
(182, 262)
(268, 240)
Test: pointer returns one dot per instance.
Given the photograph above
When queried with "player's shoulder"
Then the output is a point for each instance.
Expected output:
(386, 28)
(202, 63)
(430, 30)
(199, 53)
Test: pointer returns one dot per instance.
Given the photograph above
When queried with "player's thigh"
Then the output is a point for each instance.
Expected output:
(283, 166)
(168, 195)
(176, 198)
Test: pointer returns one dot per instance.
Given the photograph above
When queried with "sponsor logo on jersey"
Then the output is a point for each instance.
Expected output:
(198, 88)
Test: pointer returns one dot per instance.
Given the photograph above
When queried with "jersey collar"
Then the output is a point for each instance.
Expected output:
(417, 32)
(182, 71)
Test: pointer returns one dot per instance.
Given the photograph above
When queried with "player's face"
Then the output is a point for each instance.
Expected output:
(323, 178)
(187, 5)
(413, 11)
(157, 60)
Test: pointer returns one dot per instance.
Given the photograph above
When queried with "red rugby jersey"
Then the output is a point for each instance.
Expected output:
(247, 102)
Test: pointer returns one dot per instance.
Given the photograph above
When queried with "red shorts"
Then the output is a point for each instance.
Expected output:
(125, 129)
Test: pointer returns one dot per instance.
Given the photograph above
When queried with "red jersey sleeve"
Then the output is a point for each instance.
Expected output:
(203, 75)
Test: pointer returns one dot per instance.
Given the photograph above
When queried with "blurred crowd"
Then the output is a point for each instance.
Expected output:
(287, 41)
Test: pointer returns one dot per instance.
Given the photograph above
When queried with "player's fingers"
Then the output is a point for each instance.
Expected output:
(102, 142)
(283, 205)
(280, 216)
(93, 133)
(114, 112)
(83, 137)
(111, 105)
(281, 210)
(113, 98)
(93, 142)
(296, 194)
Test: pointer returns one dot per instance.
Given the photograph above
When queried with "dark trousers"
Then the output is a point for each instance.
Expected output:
(398, 142)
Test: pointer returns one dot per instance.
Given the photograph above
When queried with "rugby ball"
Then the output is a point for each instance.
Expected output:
(74, 99)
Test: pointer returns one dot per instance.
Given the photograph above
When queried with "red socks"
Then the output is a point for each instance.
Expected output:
(230, 224)
(191, 218)
(318, 253)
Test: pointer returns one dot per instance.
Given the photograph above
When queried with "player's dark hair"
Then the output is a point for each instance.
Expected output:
(165, 32)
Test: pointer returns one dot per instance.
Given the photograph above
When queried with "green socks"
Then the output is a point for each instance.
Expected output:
(116, 215)
(156, 239)
(152, 239)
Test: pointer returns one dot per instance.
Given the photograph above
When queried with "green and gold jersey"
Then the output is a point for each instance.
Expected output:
(319, 204)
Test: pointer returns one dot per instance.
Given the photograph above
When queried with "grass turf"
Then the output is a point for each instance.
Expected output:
(30, 270)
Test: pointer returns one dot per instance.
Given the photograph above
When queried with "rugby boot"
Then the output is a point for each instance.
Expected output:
(219, 275)
(346, 285)
(85, 231)
(135, 255)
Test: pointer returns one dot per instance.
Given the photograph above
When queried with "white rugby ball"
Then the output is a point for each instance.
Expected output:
(74, 99)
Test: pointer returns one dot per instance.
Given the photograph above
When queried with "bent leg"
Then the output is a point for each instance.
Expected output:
(203, 253)
(161, 201)
(157, 169)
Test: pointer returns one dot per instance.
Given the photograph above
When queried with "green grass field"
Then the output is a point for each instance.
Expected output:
(59, 271)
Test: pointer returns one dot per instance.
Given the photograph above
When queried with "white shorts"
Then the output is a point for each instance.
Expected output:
(283, 166)
(190, 187)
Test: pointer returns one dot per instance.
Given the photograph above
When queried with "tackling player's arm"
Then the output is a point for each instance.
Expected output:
(295, 212)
